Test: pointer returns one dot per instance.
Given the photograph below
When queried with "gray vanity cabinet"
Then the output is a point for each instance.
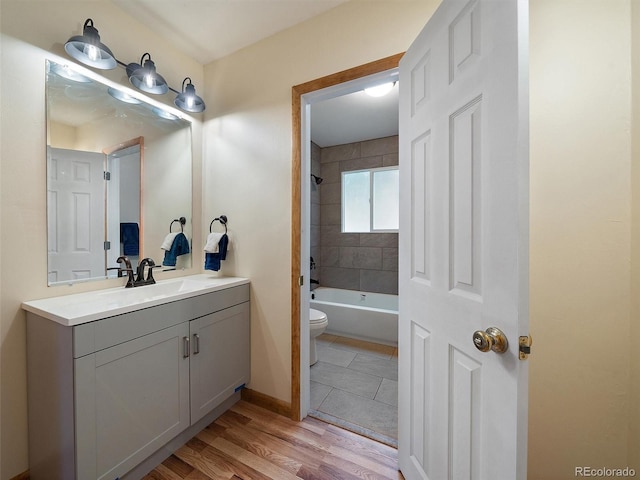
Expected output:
(219, 339)
(107, 395)
(131, 399)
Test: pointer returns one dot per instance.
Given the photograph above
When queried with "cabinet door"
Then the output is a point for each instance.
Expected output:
(220, 357)
(130, 400)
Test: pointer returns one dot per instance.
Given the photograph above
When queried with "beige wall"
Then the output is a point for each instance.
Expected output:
(580, 236)
(248, 152)
(634, 417)
(29, 30)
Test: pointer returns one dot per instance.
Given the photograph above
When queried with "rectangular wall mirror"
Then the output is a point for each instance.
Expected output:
(118, 174)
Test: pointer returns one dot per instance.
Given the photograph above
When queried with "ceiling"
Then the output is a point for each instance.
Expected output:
(210, 29)
(354, 118)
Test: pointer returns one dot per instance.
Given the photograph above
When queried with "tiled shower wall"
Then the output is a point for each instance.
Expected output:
(355, 261)
(315, 211)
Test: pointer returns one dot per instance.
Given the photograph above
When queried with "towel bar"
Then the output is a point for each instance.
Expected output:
(180, 220)
(222, 219)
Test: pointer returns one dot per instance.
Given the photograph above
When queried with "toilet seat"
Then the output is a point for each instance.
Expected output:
(316, 316)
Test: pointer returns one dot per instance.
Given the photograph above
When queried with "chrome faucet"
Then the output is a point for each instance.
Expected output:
(128, 269)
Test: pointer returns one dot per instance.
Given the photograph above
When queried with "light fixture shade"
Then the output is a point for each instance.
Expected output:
(164, 114)
(188, 100)
(89, 50)
(144, 77)
(123, 96)
(379, 90)
(65, 72)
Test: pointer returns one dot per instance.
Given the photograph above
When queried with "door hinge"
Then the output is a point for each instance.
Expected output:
(524, 347)
(301, 280)
(107, 245)
(107, 176)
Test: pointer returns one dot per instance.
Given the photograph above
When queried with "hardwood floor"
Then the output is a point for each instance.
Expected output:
(250, 443)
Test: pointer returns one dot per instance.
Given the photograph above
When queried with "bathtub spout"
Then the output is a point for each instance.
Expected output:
(314, 281)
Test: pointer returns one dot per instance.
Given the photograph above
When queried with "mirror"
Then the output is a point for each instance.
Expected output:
(118, 175)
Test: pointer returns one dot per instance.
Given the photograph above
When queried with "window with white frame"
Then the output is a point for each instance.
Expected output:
(370, 200)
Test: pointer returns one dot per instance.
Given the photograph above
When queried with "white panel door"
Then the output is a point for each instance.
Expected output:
(75, 215)
(464, 243)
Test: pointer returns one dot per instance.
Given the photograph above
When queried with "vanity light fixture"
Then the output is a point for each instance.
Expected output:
(144, 77)
(379, 90)
(188, 100)
(88, 49)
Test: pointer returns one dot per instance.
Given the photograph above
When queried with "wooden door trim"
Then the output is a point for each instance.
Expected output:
(297, 91)
(116, 148)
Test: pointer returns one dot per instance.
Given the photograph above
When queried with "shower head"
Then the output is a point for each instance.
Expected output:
(317, 179)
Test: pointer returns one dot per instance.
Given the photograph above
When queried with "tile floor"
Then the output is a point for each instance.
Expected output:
(355, 385)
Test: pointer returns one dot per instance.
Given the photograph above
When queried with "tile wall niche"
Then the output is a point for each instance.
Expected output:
(366, 262)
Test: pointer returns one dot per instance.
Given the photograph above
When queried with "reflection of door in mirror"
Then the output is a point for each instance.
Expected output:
(75, 215)
(123, 202)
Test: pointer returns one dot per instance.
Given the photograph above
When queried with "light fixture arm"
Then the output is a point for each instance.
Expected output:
(89, 30)
(146, 54)
(182, 90)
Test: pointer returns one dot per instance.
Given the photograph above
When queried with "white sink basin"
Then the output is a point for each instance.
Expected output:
(80, 308)
(165, 288)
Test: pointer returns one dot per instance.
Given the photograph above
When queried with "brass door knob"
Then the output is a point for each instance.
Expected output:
(491, 339)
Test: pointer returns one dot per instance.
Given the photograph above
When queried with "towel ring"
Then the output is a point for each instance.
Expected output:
(222, 219)
(181, 221)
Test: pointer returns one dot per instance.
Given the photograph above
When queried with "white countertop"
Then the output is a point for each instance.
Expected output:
(78, 308)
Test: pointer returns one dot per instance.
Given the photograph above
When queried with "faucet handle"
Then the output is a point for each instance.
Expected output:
(128, 269)
(150, 278)
(126, 261)
(116, 268)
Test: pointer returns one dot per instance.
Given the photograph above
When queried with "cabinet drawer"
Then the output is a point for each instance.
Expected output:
(95, 336)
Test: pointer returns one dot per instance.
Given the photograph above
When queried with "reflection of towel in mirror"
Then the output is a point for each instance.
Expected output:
(168, 241)
(212, 260)
(179, 246)
(130, 238)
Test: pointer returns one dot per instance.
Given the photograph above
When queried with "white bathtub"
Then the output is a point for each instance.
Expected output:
(364, 315)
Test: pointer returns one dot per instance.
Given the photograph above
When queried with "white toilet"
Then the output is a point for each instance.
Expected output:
(317, 324)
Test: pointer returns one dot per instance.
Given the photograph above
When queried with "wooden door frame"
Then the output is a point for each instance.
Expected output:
(139, 141)
(297, 92)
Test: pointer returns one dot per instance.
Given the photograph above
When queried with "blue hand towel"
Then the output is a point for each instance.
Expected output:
(130, 238)
(180, 246)
(212, 260)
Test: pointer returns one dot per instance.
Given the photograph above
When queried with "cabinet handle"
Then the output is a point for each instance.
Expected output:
(196, 344)
(185, 345)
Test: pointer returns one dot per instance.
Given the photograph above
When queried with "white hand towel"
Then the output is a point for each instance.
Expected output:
(213, 239)
(168, 241)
